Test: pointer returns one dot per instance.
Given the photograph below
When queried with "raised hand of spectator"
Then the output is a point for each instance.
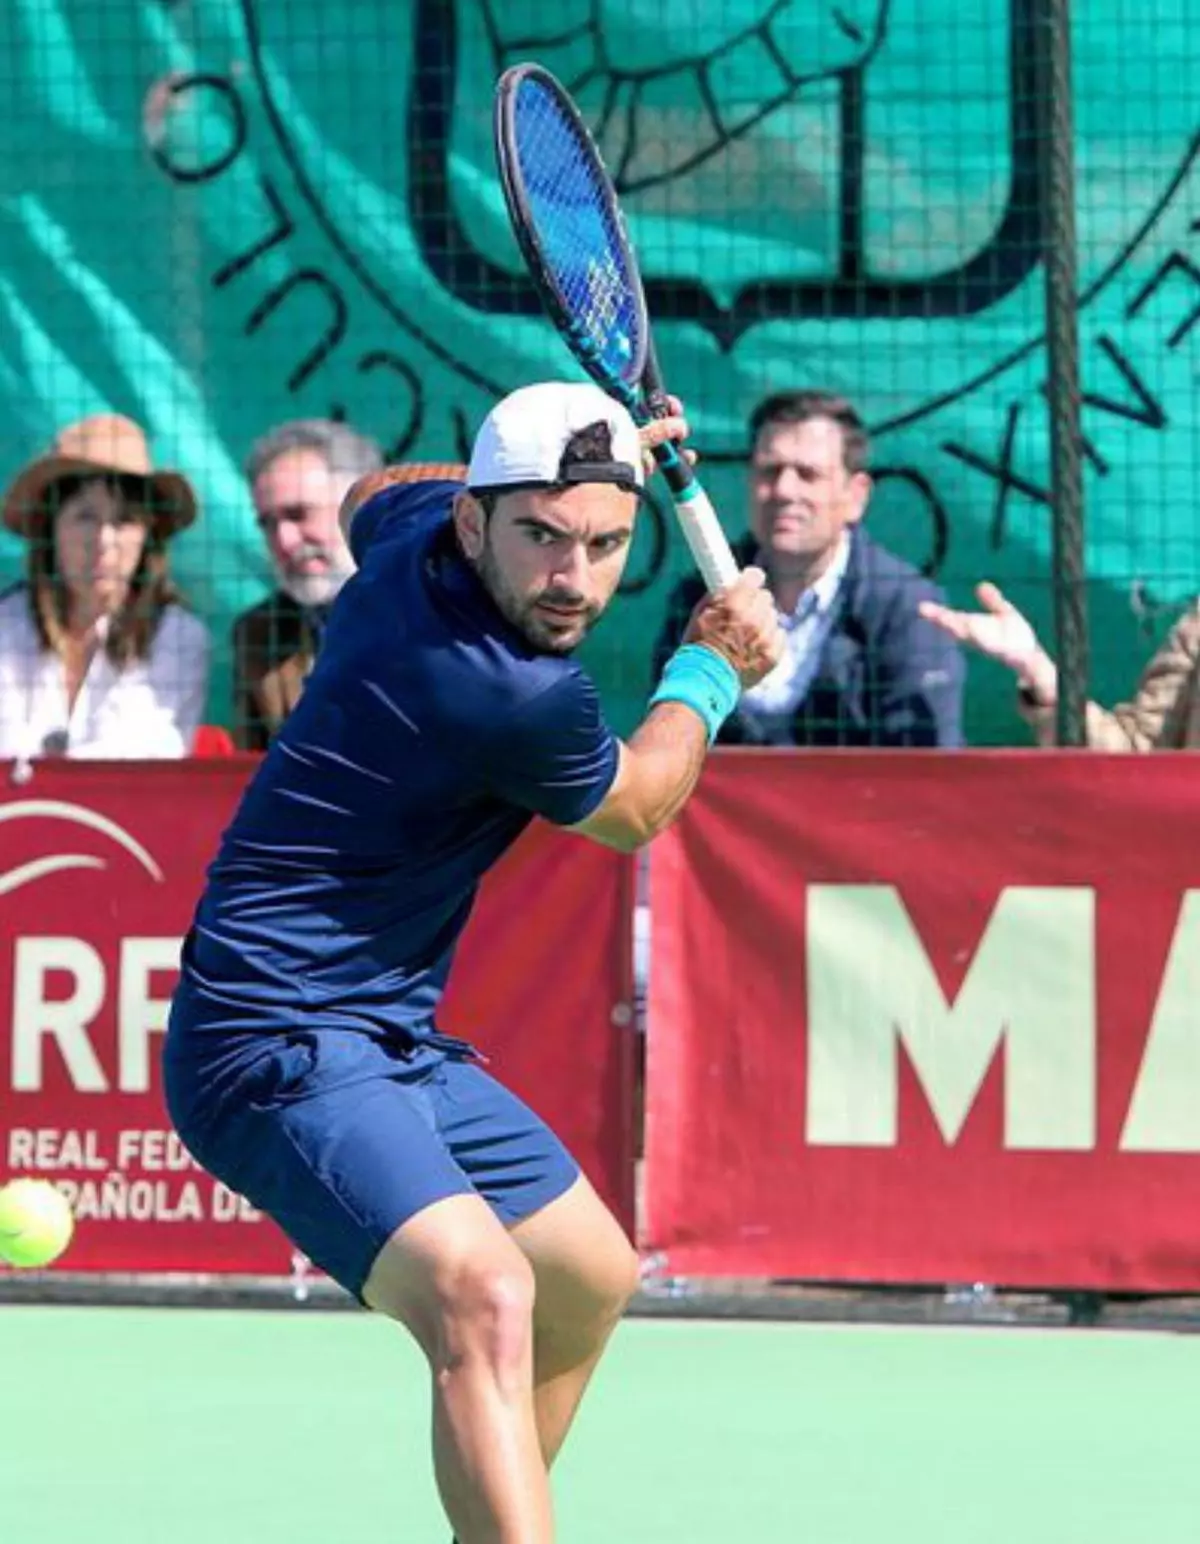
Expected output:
(1001, 632)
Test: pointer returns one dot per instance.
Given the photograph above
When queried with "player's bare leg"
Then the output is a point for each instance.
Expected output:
(586, 1271)
(455, 1278)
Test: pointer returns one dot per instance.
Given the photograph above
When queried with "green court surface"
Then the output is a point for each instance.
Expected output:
(133, 1426)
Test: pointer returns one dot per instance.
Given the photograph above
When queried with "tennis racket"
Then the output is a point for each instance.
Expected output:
(571, 233)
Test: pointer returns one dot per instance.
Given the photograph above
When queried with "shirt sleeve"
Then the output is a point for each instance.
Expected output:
(556, 755)
(179, 684)
(1156, 717)
(193, 695)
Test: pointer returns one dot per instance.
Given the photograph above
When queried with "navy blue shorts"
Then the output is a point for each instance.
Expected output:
(340, 1139)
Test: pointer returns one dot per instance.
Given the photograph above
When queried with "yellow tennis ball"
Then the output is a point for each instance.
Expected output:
(35, 1223)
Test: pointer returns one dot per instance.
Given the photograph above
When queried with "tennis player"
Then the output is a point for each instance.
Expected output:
(304, 1064)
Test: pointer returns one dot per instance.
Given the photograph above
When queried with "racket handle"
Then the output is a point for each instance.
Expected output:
(698, 520)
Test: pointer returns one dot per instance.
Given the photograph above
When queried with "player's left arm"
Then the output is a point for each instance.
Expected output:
(563, 762)
(657, 771)
(559, 759)
(554, 755)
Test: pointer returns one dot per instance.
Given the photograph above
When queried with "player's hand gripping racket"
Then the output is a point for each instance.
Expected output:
(568, 224)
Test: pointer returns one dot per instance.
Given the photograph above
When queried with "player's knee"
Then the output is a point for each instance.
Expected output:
(602, 1294)
(627, 1277)
(615, 1277)
(487, 1318)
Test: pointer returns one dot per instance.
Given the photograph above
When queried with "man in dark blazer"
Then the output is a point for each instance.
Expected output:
(862, 666)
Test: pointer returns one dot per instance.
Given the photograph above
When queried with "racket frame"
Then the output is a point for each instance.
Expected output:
(643, 394)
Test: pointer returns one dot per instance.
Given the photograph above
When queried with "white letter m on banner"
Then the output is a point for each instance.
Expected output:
(1030, 989)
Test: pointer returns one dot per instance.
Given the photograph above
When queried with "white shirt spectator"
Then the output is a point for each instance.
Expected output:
(771, 705)
(150, 709)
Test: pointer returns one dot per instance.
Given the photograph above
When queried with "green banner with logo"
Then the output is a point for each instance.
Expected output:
(225, 213)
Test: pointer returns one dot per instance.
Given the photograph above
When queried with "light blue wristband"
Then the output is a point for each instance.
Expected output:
(704, 681)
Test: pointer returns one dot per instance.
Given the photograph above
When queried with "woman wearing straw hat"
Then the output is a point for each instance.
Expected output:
(98, 658)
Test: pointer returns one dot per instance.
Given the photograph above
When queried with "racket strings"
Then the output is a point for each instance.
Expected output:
(581, 242)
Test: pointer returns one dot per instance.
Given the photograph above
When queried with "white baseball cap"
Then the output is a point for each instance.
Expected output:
(520, 443)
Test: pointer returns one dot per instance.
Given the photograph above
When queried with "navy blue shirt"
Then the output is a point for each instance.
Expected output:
(428, 736)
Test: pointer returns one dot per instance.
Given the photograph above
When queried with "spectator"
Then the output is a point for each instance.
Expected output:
(98, 657)
(298, 474)
(862, 667)
(1162, 715)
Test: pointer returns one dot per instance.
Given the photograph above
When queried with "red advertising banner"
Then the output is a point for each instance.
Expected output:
(921, 1018)
(100, 868)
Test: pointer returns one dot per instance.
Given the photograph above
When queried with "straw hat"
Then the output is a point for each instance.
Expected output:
(104, 443)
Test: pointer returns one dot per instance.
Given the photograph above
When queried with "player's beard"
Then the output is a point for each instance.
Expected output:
(539, 630)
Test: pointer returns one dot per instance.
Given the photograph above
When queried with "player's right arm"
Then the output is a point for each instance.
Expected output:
(732, 641)
(357, 533)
